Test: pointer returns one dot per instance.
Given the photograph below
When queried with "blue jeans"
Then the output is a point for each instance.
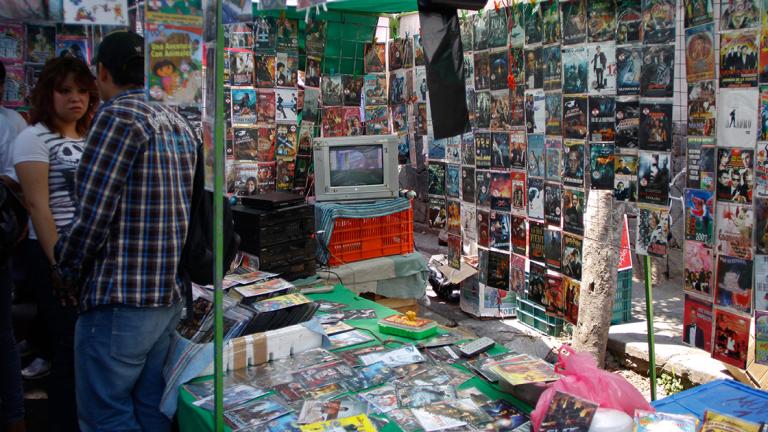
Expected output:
(120, 352)
(11, 395)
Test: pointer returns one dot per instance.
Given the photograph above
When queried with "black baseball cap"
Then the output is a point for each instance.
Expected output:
(118, 49)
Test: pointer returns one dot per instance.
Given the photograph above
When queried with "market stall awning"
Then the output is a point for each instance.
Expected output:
(373, 6)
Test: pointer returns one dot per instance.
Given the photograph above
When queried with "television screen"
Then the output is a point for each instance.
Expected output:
(357, 165)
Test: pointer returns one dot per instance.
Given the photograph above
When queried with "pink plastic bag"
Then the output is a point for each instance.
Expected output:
(582, 378)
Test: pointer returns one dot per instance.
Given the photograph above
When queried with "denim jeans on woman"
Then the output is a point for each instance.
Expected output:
(120, 352)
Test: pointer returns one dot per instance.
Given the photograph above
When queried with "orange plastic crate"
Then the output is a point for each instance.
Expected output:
(357, 239)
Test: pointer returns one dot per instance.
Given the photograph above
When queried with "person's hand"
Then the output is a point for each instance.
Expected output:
(63, 289)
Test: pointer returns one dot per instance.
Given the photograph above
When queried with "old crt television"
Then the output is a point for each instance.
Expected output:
(356, 168)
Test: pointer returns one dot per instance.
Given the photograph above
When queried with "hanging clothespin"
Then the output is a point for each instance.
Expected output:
(282, 16)
(496, 5)
(306, 15)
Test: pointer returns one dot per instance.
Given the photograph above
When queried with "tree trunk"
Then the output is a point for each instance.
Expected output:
(598, 281)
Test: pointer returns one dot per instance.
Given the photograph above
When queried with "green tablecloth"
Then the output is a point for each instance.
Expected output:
(192, 418)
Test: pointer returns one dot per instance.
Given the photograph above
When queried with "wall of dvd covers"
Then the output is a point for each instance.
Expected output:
(574, 96)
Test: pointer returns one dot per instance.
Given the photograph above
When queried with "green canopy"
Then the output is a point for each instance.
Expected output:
(373, 6)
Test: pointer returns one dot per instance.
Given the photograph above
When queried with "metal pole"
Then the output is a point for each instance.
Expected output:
(218, 231)
(649, 318)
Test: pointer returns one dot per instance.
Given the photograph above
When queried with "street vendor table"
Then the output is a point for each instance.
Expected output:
(192, 418)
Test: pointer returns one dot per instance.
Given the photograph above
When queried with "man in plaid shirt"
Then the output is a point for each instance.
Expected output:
(134, 189)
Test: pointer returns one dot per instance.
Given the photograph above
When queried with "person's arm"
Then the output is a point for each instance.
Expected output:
(110, 151)
(33, 177)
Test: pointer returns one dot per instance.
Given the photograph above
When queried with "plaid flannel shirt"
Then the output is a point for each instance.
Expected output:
(134, 190)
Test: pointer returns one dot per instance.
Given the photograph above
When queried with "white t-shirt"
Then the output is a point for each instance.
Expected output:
(38, 144)
(11, 125)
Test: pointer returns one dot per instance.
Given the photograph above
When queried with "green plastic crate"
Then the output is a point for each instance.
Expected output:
(535, 317)
(622, 305)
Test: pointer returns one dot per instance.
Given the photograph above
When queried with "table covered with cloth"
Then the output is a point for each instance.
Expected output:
(193, 418)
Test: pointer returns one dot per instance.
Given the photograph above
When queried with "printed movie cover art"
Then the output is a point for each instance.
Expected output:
(534, 68)
(761, 223)
(628, 21)
(483, 149)
(702, 108)
(761, 282)
(331, 90)
(418, 49)
(175, 65)
(436, 178)
(535, 115)
(700, 53)
(333, 122)
(536, 241)
(553, 296)
(738, 59)
(553, 147)
(739, 14)
(375, 88)
(376, 121)
(653, 177)
(536, 198)
(519, 234)
(518, 149)
(499, 69)
(483, 227)
(286, 105)
(658, 21)
(575, 117)
(737, 114)
(533, 24)
(286, 145)
(734, 230)
(552, 202)
(243, 106)
(397, 87)
(574, 22)
(627, 122)
(453, 208)
(41, 43)
(652, 231)
(625, 179)
(537, 283)
(657, 75)
(602, 118)
(761, 337)
(601, 166)
(553, 71)
(731, 338)
(315, 36)
(699, 263)
(437, 213)
(572, 257)
(553, 248)
(629, 64)
(484, 109)
(452, 185)
(698, 12)
(515, 25)
(395, 58)
(501, 191)
(567, 413)
(373, 59)
(697, 323)
(571, 289)
(497, 28)
(573, 211)
(734, 175)
(602, 68)
(468, 148)
(480, 31)
(699, 216)
(575, 70)
(519, 193)
(536, 157)
(573, 163)
(700, 158)
(655, 126)
(265, 70)
(500, 151)
(498, 270)
(553, 106)
(482, 70)
(602, 20)
(500, 111)
(468, 184)
(499, 230)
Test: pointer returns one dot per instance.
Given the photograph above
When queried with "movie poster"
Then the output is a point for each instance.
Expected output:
(284, 174)
(734, 284)
(352, 89)
(535, 115)
(480, 31)
(629, 63)
(500, 151)
(739, 14)
(101, 12)
(517, 104)
(175, 65)
(452, 185)
(602, 20)
(286, 145)
(519, 234)
(533, 23)
(698, 12)
(41, 43)
(553, 248)
(655, 125)
(734, 230)
(517, 274)
(501, 191)
(601, 160)
(699, 216)
(536, 157)
(572, 257)
(500, 112)
(699, 261)
(454, 251)
(761, 282)
(573, 211)
(738, 59)
(552, 202)
(265, 32)
(570, 289)
(702, 108)
(734, 175)
(652, 231)
(15, 88)
(499, 69)
(376, 121)
(627, 122)
(553, 148)
(437, 213)
(575, 117)
(483, 218)
(497, 28)
(399, 121)
(761, 223)
(574, 22)
(700, 53)
(737, 114)
(658, 21)
(265, 70)
(602, 68)
(243, 106)
(453, 208)
(628, 21)
(761, 337)
(242, 67)
(482, 70)
(536, 198)
(483, 188)
(657, 76)
(552, 67)
(374, 88)
(553, 106)
(469, 229)
(246, 146)
(519, 193)
(395, 59)
(498, 273)
(483, 109)
(483, 149)
(518, 150)
(286, 105)
(625, 179)
(374, 58)
(573, 163)
(436, 172)
(575, 72)
(537, 283)
(536, 241)
(286, 70)
(331, 90)
(763, 61)
(731, 338)
(700, 168)
(396, 87)
(468, 184)
(420, 117)
(697, 323)
(468, 148)
(602, 115)
(315, 31)
(654, 175)
(553, 296)
(534, 68)
(499, 230)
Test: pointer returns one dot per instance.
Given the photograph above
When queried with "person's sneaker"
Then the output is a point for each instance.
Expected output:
(39, 368)
(24, 348)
